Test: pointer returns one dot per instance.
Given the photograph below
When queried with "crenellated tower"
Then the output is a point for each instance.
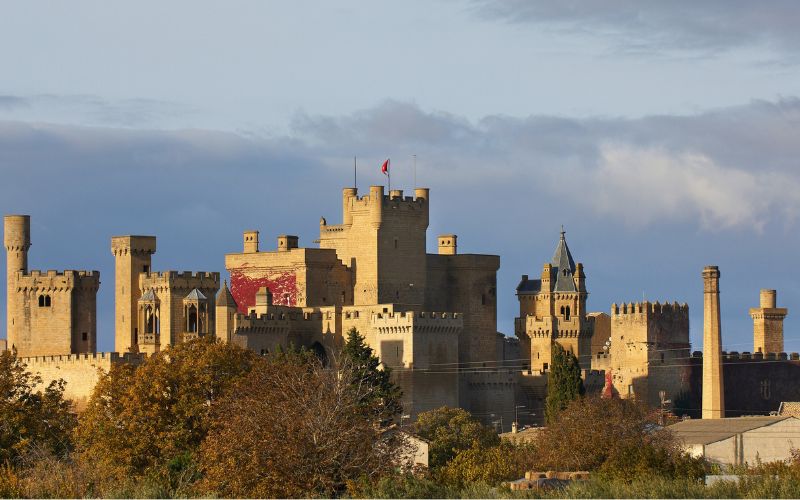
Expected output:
(553, 309)
(382, 240)
(768, 324)
(132, 256)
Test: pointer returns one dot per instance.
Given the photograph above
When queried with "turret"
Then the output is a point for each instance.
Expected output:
(768, 323)
(17, 240)
(347, 195)
(547, 275)
(226, 313)
(376, 205)
(132, 255)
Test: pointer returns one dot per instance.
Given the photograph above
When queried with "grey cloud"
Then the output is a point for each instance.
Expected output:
(9, 102)
(653, 25)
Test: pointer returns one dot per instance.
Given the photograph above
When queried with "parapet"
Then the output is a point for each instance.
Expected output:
(58, 280)
(175, 279)
(133, 244)
(417, 322)
(649, 308)
(377, 201)
(83, 359)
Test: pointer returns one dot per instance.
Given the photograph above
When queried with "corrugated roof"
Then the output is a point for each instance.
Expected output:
(707, 431)
(789, 409)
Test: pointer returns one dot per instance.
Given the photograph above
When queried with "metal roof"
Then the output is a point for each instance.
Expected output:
(563, 266)
(706, 431)
(195, 295)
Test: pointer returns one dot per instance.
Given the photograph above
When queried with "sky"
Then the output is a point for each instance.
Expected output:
(664, 136)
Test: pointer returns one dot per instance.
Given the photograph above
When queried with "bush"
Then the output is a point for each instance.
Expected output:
(451, 430)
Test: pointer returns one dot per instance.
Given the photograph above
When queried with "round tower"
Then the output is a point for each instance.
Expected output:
(17, 240)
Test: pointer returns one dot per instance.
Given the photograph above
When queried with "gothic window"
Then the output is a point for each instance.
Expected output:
(192, 320)
(566, 314)
(44, 301)
(41, 300)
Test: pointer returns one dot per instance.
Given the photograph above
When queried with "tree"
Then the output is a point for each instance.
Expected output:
(374, 383)
(450, 430)
(564, 382)
(616, 437)
(31, 418)
(503, 462)
(149, 421)
(294, 429)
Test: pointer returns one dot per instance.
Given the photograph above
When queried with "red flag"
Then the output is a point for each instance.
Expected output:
(385, 167)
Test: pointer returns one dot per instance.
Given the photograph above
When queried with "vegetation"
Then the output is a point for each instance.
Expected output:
(371, 381)
(206, 419)
(450, 431)
(292, 429)
(564, 382)
(31, 418)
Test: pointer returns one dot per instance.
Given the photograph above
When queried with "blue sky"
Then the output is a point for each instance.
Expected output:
(663, 135)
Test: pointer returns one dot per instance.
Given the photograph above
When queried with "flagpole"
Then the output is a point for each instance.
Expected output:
(415, 171)
(355, 175)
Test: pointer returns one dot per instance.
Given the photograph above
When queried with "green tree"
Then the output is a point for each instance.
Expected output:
(503, 462)
(31, 418)
(375, 387)
(451, 430)
(148, 422)
(564, 382)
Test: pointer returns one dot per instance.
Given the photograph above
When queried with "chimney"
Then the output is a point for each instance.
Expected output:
(713, 386)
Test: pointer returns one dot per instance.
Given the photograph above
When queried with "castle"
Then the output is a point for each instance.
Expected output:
(432, 318)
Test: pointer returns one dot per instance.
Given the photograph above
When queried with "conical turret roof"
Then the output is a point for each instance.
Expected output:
(225, 297)
(195, 294)
(563, 266)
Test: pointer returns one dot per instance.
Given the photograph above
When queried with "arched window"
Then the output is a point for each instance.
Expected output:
(41, 300)
(192, 319)
(47, 301)
(566, 314)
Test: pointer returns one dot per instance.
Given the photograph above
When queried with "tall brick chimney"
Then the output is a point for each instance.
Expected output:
(713, 386)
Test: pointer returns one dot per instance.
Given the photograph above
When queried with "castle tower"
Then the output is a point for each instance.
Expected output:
(713, 386)
(17, 240)
(132, 257)
(768, 324)
(226, 313)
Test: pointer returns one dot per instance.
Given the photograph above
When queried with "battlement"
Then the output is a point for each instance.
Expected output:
(649, 308)
(547, 325)
(376, 202)
(82, 359)
(58, 280)
(417, 322)
(132, 245)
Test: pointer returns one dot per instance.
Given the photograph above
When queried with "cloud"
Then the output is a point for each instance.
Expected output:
(652, 25)
(728, 168)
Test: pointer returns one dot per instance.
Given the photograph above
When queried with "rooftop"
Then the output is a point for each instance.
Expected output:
(708, 431)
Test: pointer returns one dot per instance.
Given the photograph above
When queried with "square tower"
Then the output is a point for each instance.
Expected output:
(132, 257)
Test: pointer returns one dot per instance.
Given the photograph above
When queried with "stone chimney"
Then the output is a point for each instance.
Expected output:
(713, 386)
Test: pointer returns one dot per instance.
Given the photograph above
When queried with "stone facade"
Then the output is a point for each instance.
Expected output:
(48, 312)
(157, 309)
(768, 324)
(430, 317)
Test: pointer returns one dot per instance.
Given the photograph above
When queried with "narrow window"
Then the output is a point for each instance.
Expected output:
(41, 300)
(84, 336)
(483, 299)
(545, 366)
(395, 243)
(47, 301)
(662, 357)
(145, 269)
(566, 315)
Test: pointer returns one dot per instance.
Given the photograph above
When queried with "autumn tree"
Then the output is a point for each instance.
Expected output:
(150, 420)
(451, 430)
(564, 382)
(616, 437)
(31, 417)
(503, 462)
(292, 428)
(373, 381)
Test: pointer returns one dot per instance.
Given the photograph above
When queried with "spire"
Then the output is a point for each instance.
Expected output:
(563, 265)
(224, 297)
